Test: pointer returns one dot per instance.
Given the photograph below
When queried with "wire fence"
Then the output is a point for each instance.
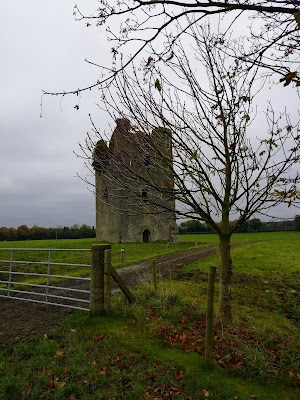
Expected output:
(45, 276)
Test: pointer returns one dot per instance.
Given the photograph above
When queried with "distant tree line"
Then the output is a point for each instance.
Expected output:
(194, 226)
(253, 225)
(40, 233)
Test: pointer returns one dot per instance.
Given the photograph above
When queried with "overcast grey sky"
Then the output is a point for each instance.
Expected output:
(42, 47)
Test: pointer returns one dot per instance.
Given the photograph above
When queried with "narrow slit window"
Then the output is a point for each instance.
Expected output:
(144, 194)
(147, 160)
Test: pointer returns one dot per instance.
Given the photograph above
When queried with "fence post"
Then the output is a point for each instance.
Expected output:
(97, 279)
(122, 255)
(209, 335)
(154, 275)
(107, 280)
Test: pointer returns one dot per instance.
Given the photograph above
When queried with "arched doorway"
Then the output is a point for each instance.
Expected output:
(146, 236)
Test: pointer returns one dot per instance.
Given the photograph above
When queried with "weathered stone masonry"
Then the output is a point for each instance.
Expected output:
(124, 215)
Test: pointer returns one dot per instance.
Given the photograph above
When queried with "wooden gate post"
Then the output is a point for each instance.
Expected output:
(97, 279)
(209, 335)
(107, 280)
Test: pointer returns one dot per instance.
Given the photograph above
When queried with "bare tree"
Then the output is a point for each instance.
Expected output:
(272, 39)
(217, 170)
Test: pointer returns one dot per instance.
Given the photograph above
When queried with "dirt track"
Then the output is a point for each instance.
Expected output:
(21, 319)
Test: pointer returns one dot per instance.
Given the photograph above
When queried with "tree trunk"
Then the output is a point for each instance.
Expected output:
(225, 312)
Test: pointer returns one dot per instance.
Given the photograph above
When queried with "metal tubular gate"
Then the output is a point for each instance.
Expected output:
(7, 284)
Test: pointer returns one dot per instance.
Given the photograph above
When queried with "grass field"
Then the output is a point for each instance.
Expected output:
(154, 349)
(134, 252)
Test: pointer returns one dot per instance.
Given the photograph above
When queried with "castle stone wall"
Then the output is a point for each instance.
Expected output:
(117, 220)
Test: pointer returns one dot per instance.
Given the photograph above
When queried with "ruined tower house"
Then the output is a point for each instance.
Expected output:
(133, 182)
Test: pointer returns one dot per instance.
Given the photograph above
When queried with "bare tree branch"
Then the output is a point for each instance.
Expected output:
(183, 141)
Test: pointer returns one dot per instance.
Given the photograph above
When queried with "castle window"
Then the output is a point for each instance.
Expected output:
(105, 192)
(144, 194)
(147, 160)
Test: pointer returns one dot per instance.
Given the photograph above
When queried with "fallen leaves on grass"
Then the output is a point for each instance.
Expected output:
(54, 384)
(126, 383)
(165, 392)
(101, 371)
(116, 360)
(27, 390)
(229, 346)
(178, 374)
(97, 338)
(58, 353)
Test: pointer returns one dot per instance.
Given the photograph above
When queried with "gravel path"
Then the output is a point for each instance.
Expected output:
(21, 319)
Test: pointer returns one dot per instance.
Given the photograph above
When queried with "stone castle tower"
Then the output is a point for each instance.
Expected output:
(132, 181)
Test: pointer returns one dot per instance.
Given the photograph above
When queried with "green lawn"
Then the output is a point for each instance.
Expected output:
(154, 349)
